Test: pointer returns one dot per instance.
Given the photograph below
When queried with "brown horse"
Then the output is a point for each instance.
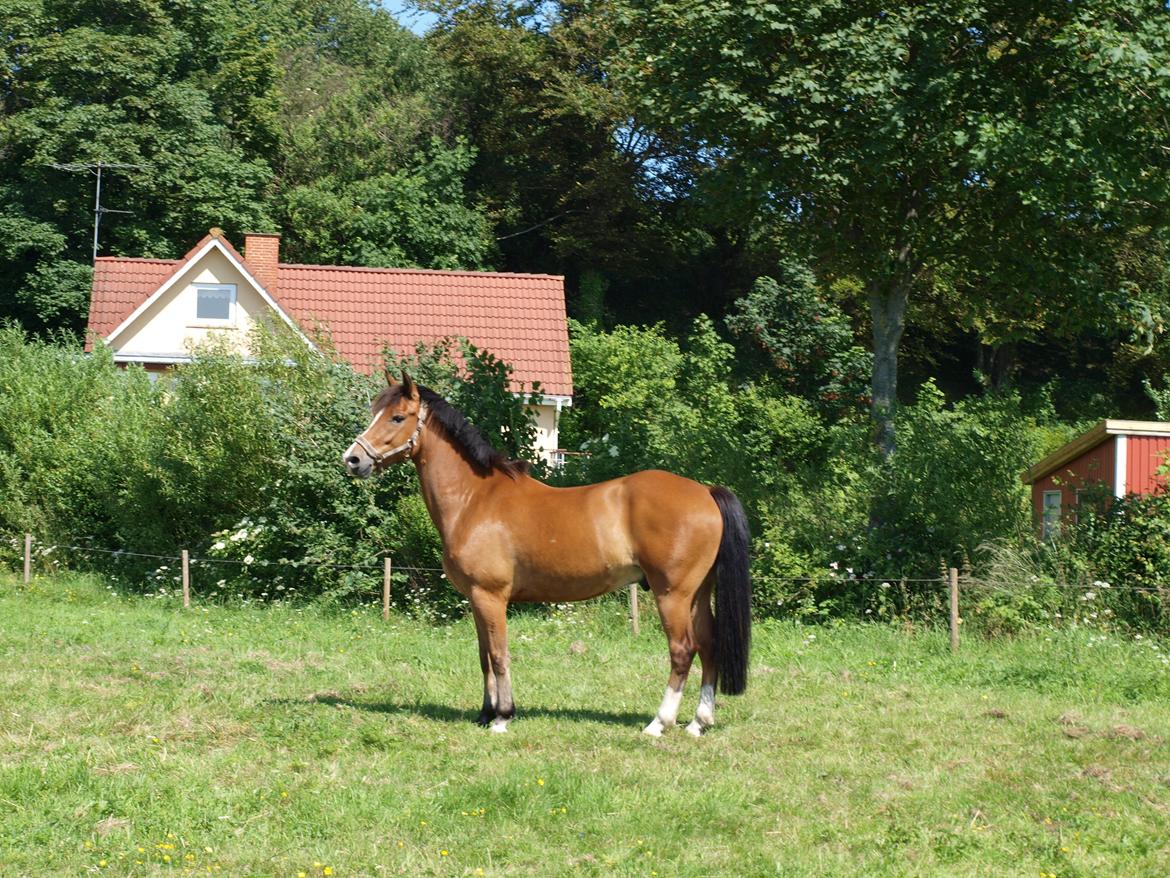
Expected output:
(508, 537)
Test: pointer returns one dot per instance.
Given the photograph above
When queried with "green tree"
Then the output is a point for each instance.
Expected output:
(86, 82)
(572, 182)
(529, 92)
(1011, 144)
(371, 170)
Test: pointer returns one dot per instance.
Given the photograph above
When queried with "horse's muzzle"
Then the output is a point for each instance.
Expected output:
(357, 463)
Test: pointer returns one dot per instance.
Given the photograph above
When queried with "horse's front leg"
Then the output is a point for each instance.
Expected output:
(487, 713)
(491, 621)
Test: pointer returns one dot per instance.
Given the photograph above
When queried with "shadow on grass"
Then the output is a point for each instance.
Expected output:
(448, 714)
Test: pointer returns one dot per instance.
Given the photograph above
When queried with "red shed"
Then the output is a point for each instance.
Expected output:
(1113, 459)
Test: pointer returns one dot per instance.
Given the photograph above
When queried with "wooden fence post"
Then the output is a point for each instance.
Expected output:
(634, 608)
(186, 581)
(954, 577)
(27, 558)
(386, 589)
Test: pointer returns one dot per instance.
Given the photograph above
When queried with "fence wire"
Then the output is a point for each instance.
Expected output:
(375, 565)
(193, 560)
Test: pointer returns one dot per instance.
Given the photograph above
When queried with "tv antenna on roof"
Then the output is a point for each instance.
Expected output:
(95, 168)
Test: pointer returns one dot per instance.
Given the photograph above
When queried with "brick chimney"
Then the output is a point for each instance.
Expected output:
(262, 253)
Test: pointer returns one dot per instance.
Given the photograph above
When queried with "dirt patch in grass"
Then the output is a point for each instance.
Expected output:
(1103, 776)
(1073, 725)
(116, 768)
(1131, 733)
(110, 824)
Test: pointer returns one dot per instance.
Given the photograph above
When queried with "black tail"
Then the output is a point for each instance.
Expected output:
(733, 594)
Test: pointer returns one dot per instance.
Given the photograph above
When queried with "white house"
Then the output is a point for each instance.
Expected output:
(152, 311)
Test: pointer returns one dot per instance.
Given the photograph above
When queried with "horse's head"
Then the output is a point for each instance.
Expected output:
(399, 416)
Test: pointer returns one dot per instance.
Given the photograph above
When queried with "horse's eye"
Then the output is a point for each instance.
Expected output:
(398, 419)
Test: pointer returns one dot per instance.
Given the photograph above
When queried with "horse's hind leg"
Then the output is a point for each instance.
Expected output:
(674, 608)
(703, 622)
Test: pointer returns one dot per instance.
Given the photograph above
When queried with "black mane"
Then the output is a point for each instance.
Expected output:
(480, 453)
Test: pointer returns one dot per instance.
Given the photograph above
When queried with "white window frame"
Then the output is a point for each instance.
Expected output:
(1050, 525)
(213, 321)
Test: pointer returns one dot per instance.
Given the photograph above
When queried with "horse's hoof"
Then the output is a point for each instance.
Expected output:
(484, 718)
(499, 725)
(654, 730)
(695, 729)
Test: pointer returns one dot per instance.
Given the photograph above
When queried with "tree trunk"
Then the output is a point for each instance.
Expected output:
(996, 365)
(887, 308)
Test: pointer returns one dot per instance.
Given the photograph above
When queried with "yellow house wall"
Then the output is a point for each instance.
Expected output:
(169, 325)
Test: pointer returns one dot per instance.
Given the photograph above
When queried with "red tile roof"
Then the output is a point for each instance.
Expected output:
(520, 318)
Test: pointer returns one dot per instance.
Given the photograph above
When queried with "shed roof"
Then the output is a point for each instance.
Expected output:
(1089, 440)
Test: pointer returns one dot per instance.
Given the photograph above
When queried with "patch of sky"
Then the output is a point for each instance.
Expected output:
(412, 18)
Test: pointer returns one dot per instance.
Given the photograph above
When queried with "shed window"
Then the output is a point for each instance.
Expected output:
(1092, 502)
(1051, 520)
(215, 303)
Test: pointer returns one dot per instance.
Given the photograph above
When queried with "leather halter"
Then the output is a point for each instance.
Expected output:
(380, 456)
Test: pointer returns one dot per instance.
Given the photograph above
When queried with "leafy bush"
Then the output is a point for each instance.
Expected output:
(852, 534)
(1106, 570)
(70, 424)
(1131, 552)
(643, 401)
(954, 482)
(480, 385)
(803, 339)
(240, 462)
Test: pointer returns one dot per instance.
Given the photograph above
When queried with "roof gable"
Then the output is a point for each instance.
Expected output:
(214, 241)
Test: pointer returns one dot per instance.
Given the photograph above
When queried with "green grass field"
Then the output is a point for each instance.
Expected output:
(139, 739)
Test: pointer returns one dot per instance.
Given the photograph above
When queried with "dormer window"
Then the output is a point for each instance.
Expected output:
(215, 303)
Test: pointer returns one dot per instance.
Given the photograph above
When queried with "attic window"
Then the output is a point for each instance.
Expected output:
(215, 303)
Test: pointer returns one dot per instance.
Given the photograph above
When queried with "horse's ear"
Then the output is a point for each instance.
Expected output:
(408, 386)
(389, 376)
